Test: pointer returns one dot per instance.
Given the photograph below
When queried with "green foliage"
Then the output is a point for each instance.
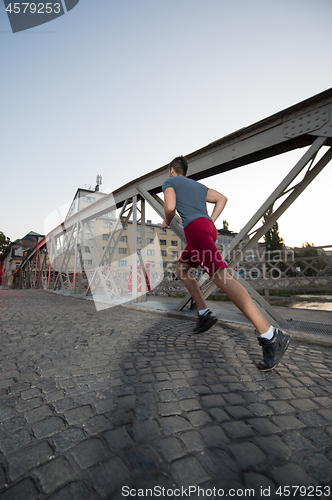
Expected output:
(273, 240)
(4, 243)
(306, 251)
(225, 224)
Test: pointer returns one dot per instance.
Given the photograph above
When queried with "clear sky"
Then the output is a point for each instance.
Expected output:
(120, 87)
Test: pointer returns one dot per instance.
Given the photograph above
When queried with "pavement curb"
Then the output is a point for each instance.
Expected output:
(297, 336)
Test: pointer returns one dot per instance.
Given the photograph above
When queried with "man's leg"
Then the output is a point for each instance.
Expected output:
(273, 341)
(183, 272)
(241, 298)
(205, 318)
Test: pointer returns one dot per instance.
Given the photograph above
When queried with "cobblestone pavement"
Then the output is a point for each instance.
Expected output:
(92, 402)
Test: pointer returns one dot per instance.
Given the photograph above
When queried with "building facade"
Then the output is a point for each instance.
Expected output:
(13, 257)
(159, 249)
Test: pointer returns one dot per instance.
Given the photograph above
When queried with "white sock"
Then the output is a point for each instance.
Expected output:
(203, 311)
(269, 334)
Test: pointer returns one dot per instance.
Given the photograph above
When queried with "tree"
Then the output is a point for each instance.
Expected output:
(274, 243)
(273, 240)
(307, 250)
(4, 243)
(225, 224)
(308, 266)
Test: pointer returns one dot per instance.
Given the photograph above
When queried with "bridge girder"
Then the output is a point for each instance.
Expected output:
(306, 124)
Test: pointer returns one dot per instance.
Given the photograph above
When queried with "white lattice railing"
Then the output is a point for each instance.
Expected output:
(298, 274)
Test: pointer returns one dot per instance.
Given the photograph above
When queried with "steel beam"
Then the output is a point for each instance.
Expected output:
(280, 191)
(262, 140)
(95, 260)
(158, 205)
(118, 231)
(134, 254)
(54, 246)
(142, 252)
(295, 127)
(276, 194)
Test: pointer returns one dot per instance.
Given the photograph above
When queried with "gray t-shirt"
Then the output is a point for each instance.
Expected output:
(190, 198)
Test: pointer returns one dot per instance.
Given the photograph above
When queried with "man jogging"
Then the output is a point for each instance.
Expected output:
(189, 198)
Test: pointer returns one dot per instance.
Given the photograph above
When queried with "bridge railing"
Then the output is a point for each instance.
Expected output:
(299, 274)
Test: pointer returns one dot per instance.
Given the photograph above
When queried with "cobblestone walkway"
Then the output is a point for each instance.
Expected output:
(92, 402)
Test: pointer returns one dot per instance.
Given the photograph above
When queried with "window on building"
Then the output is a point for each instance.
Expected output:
(150, 229)
(149, 241)
(86, 249)
(150, 252)
(110, 215)
(174, 243)
(18, 252)
(162, 231)
(162, 242)
(89, 199)
(123, 238)
(122, 250)
(163, 253)
(173, 233)
(175, 254)
(107, 224)
(87, 262)
(106, 236)
(139, 240)
(122, 262)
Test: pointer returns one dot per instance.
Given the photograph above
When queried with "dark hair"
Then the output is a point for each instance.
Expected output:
(180, 165)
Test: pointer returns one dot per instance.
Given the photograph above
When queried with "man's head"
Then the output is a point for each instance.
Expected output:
(178, 166)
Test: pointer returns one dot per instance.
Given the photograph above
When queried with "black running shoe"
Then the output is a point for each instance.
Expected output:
(273, 350)
(205, 321)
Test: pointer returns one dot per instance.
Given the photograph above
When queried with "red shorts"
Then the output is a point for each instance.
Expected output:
(201, 249)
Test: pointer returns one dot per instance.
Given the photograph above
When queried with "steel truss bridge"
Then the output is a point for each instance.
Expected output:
(56, 262)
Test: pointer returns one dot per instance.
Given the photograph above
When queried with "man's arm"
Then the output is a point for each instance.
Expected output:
(169, 207)
(219, 201)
